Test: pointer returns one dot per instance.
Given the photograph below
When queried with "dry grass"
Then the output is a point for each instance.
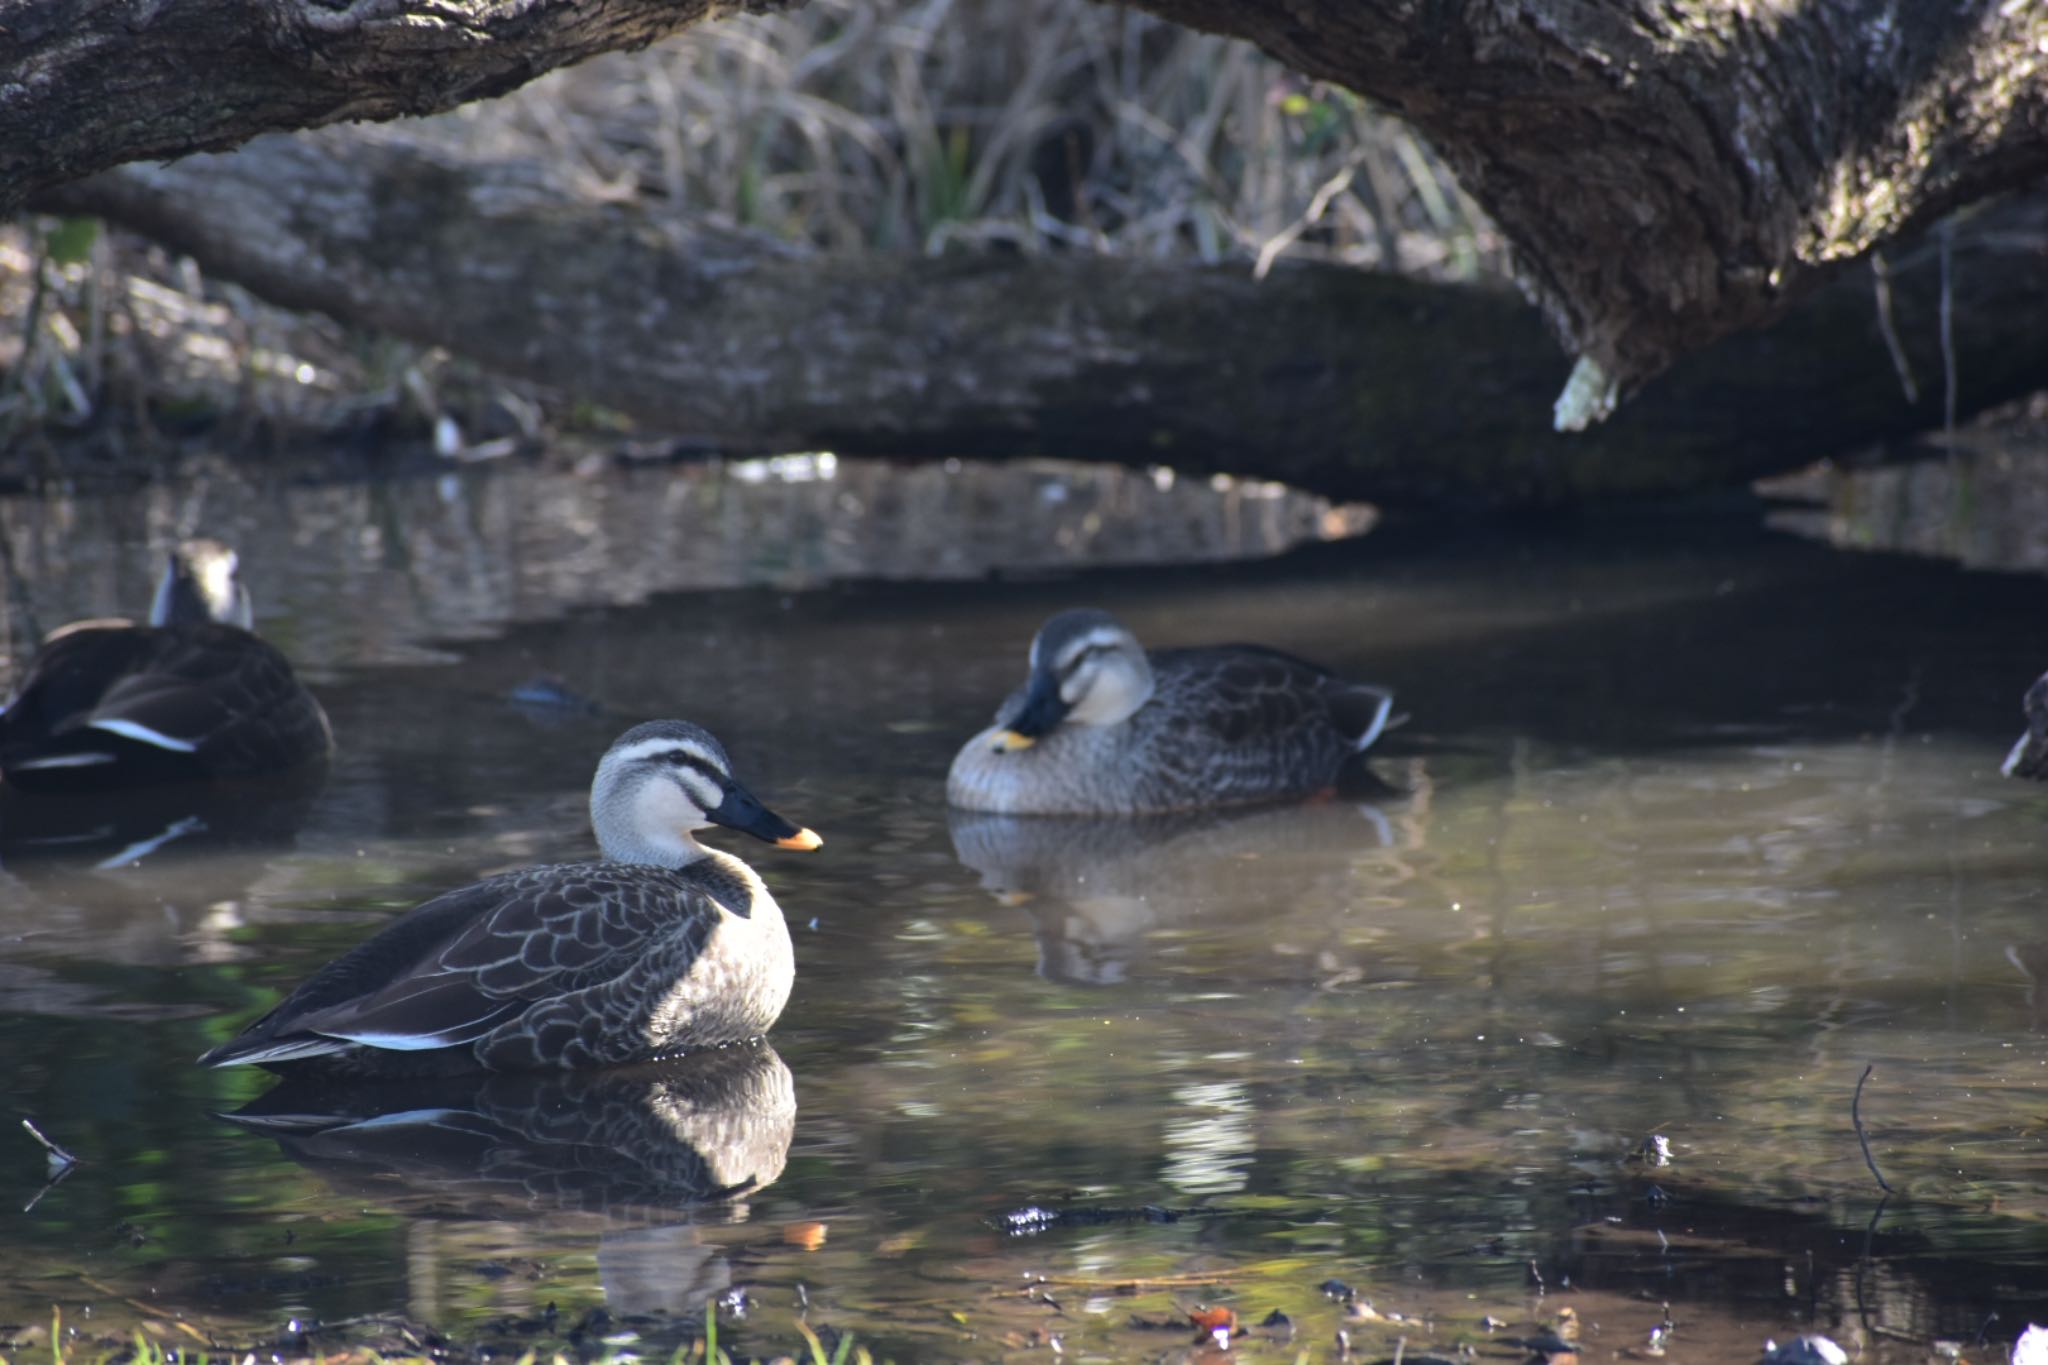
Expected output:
(922, 125)
(1035, 124)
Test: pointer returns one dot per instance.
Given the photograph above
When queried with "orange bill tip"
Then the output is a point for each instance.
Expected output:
(803, 839)
(1009, 741)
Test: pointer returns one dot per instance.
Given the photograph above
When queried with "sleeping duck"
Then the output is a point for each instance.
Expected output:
(1102, 727)
(195, 693)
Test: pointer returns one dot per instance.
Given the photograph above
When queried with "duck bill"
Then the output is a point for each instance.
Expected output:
(739, 810)
(1040, 714)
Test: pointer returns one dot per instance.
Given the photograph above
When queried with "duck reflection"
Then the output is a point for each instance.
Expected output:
(709, 1127)
(1097, 887)
(637, 1157)
(112, 830)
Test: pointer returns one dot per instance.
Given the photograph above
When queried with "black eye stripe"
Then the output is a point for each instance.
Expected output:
(1084, 656)
(678, 758)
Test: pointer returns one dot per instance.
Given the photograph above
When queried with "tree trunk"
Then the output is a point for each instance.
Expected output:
(1670, 171)
(1350, 383)
(87, 84)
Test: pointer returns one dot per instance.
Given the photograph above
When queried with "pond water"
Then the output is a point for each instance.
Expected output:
(1692, 822)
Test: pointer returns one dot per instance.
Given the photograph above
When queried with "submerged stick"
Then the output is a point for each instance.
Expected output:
(61, 1164)
(1856, 1117)
(59, 1158)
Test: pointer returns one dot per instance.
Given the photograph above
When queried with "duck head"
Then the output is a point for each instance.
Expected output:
(202, 582)
(1085, 670)
(661, 782)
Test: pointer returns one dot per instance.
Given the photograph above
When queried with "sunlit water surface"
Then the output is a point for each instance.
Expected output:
(1690, 824)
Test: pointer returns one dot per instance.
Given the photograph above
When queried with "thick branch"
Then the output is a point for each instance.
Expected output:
(1671, 171)
(86, 84)
(1352, 383)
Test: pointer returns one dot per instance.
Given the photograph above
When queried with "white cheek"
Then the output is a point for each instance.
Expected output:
(659, 806)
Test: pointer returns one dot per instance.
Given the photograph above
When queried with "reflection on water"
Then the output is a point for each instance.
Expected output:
(1691, 824)
(1100, 890)
(632, 1141)
(1983, 503)
(354, 573)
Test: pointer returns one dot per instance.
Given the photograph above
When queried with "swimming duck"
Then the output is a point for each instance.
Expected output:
(663, 946)
(1101, 727)
(2029, 757)
(193, 694)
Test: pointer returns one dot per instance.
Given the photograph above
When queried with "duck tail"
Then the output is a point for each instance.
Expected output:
(1365, 712)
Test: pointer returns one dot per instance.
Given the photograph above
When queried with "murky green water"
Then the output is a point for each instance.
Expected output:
(1692, 822)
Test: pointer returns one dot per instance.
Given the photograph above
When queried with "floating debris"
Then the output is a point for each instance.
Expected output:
(2032, 1347)
(550, 693)
(1806, 1349)
(1028, 1220)
(1033, 1219)
(60, 1161)
(1216, 1322)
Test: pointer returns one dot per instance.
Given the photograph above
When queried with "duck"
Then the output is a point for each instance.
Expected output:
(194, 693)
(659, 947)
(2029, 755)
(1103, 727)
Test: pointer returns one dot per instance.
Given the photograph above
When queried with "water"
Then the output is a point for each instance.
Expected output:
(1690, 824)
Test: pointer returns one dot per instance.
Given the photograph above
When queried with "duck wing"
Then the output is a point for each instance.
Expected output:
(219, 691)
(457, 967)
(1246, 693)
(216, 693)
(54, 699)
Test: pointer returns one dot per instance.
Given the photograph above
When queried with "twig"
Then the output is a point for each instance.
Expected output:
(1881, 277)
(59, 1158)
(1947, 234)
(62, 1163)
(1863, 1261)
(1856, 1117)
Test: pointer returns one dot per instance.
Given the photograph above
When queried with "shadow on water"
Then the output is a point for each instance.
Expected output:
(1692, 822)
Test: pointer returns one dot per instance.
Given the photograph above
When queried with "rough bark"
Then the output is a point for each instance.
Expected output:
(87, 84)
(1670, 171)
(1351, 383)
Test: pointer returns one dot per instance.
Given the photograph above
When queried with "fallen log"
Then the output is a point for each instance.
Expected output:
(1351, 383)
(1669, 171)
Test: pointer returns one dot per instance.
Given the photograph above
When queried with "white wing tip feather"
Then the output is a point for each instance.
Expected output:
(1379, 722)
(90, 760)
(142, 734)
(289, 1051)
